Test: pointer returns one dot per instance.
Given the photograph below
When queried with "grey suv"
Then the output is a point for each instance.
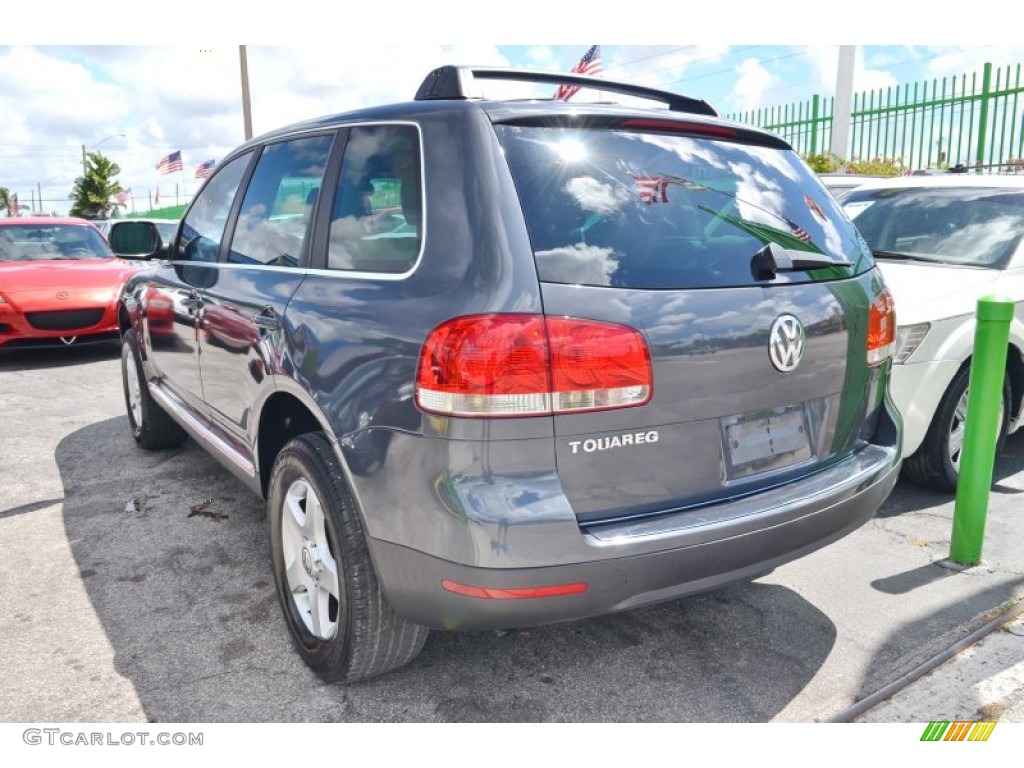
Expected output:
(502, 363)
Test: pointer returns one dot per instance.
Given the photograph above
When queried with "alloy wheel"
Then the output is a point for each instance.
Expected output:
(310, 566)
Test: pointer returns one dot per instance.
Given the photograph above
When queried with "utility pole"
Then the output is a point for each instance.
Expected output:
(246, 106)
(841, 115)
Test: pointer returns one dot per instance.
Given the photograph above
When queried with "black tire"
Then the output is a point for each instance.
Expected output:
(932, 465)
(151, 426)
(354, 634)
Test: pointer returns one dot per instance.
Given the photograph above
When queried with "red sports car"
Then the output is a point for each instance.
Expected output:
(59, 283)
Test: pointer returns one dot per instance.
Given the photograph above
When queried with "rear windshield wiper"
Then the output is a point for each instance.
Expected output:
(897, 256)
(774, 258)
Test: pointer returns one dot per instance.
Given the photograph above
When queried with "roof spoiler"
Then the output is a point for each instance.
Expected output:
(453, 82)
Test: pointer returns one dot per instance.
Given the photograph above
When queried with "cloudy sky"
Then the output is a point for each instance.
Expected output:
(136, 103)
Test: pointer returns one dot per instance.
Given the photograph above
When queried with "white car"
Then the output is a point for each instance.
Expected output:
(942, 242)
(841, 184)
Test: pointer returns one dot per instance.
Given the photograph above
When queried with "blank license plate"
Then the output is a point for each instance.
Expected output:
(774, 440)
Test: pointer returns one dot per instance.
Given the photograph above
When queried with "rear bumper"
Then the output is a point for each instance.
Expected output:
(649, 561)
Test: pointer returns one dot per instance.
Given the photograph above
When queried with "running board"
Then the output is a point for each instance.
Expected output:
(241, 466)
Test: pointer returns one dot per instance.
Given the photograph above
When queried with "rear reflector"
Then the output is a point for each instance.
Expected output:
(518, 593)
(881, 328)
(530, 365)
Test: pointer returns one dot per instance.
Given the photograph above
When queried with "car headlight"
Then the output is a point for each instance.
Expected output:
(908, 339)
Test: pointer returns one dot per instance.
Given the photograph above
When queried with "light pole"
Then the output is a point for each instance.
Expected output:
(246, 105)
(39, 189)
(96, 146)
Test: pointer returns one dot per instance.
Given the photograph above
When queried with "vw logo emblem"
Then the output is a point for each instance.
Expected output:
(63, 295)
(786, 343)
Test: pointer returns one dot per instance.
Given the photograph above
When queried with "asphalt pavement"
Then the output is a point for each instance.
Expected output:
(136, 587)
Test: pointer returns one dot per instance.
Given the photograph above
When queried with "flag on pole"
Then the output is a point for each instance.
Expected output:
(652, 189)
(205, 169)
(590, 64)
(15, 208)
(124, 196)
(170, 163)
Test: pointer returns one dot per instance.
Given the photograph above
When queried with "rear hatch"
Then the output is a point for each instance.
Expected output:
(752, 291)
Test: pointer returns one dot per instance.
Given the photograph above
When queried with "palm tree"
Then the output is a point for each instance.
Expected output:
(5, 200)
(92, 192)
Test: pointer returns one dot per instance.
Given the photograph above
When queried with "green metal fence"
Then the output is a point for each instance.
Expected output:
(971, 120)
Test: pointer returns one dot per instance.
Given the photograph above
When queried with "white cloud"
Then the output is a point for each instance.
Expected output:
(162, 98)
(752, 80)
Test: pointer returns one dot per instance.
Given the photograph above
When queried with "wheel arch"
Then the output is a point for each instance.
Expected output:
(124, 321)
(1015, 372)
(283, 416)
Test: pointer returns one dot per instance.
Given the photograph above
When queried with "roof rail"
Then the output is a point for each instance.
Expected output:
(453, 82)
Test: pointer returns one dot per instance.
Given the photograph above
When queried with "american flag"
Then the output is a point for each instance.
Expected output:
(652, 189)
(798, 232)
(205, 169)
(590, 64)
(815, 208)
(171, 163)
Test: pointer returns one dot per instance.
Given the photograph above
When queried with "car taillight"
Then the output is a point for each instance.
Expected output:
(881, 328)
(530, 365)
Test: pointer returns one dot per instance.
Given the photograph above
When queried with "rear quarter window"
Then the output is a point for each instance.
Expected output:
(377, 214)
(631, 209)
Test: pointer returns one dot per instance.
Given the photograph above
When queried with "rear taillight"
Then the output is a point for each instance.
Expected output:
(881, 328)
(530, 365)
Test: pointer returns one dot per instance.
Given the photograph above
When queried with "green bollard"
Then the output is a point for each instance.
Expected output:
(981, 428)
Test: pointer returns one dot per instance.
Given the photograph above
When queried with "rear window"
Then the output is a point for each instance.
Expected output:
(633, 209)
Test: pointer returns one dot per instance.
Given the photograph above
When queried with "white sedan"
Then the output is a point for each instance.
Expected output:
(943, 241)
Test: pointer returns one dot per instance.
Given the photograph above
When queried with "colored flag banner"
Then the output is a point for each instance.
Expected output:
(590, 64)
(170, 163)
(960, 730)
(124, 196)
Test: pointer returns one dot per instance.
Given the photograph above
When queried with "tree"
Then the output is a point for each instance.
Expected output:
(92, 193)
(5, 200)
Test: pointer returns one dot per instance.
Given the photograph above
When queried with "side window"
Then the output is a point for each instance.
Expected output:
(203, 228)
(274, 217)
(376, 220)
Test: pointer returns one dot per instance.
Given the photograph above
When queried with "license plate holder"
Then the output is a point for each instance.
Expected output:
(765, 440)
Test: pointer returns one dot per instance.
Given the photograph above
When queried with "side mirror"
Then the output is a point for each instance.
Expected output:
(135, 240)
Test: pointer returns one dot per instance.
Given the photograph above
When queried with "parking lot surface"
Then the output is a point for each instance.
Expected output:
(137, 587)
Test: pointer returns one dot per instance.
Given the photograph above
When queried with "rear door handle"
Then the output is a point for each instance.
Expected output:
(267, 320)
(192, 301)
